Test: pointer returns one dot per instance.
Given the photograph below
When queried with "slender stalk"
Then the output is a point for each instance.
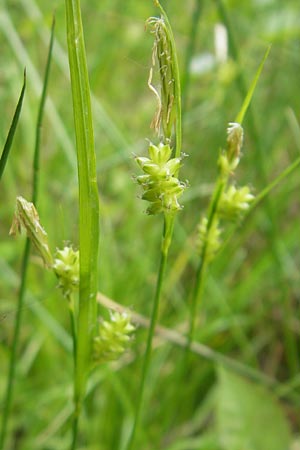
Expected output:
(200, 275)
(73, 325)
(147, 358)
(25, 260)
(15, 343)
(88, 203)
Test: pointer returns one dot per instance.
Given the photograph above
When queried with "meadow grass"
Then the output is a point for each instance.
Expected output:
(247, 327)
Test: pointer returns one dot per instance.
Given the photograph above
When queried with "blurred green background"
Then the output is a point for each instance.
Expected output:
(250, 310)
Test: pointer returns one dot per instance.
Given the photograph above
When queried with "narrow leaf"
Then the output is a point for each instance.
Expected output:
(12, 130)
(248, 98)
(88, 194)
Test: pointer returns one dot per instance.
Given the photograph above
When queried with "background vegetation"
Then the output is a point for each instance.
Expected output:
(251, 301)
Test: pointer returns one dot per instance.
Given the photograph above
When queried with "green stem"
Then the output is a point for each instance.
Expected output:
(15, 343)
(153, 321)
(75, 429)
(88, 203)
(73, 325)
(200, 274)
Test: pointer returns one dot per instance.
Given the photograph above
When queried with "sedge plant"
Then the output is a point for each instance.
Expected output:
(228, 204)
(159, 181)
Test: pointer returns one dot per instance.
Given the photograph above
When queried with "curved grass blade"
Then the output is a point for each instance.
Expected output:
(12, 130)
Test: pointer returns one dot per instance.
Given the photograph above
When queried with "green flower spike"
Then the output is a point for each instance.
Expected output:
(159, 182)
(113, 338)
(210, 239)
(26, 218)
(66, 268)
(235, 202)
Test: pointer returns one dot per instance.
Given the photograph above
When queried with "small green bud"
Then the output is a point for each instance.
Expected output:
(113, 338)
(235, 202)
(27, 218)
(66, 268)
(209, 239)
(235, 136)
(230, 158)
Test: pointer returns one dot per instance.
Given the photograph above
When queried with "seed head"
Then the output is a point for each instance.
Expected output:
(159, 182)
(113, 338)
(26, 218)
(235, 202)
(66, 268)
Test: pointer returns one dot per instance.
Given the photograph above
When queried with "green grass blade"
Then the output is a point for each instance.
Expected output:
(12, 129)
(88, 199)
(240, 117)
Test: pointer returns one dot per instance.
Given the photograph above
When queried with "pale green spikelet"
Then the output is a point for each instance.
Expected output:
(235, 202)
(162, 52)
(230, 158)
(209, 238)
(26, 218)
(113, 338)
(66, 268)
(235, 137)
(159, 182)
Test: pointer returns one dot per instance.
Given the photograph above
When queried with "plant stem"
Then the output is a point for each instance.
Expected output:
(153, 321)
(15, 343)
(200, 275)
(88, 203)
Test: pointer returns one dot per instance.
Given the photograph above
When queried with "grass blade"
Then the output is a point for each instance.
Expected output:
(12, 130)
(248, 98)
(88, 201)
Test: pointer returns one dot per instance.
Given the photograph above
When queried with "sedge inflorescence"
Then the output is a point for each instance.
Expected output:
(113, 338)
(66, 268)
(161, 186)
(230, 203)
